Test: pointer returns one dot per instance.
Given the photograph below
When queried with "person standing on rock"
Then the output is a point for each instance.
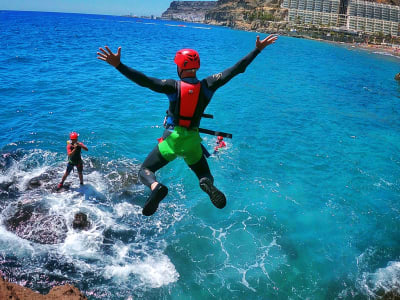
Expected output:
(74, 149)
(188, 98)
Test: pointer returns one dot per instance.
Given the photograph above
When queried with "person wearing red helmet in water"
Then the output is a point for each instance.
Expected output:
(74, 158)
(220, 144)
(188, 98)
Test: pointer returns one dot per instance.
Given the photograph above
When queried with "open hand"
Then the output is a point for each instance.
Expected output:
(113, 59)
(265, 42)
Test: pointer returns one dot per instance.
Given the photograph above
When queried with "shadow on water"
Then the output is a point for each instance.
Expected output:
(89, 192)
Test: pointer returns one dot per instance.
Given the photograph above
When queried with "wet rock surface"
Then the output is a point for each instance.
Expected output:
(36, 219)
(16, 292)
(81, 221)
(32, 221)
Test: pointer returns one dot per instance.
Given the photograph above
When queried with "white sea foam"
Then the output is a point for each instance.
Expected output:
(125, 209)
(30, 165)
(84, 244)
(11, 243)
(153, 271)
(383, 280)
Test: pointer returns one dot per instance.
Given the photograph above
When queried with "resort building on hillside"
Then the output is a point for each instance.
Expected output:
(354, 15)
(373, 17)
(318, 12)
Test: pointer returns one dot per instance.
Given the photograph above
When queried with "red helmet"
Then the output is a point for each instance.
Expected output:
(220, 138)
(187, 59)
(73, 135)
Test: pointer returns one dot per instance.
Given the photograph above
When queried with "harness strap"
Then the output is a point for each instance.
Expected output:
(216, 133)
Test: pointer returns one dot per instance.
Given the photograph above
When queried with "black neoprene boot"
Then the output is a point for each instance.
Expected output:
(216, 196)
(155, 198)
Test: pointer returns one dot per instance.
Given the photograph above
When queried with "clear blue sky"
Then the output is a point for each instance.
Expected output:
(106, 7)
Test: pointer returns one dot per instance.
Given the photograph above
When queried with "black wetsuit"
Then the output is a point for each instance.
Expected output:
(75, 159)
(170, 87)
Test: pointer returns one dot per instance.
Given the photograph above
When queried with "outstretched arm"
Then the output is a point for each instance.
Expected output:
(155, 84)
(216, 81)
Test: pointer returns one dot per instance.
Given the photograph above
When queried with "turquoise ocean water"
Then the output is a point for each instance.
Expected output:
(311, 174)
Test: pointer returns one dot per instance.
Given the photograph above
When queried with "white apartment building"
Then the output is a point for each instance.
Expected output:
(360, 15)
(317, 12)
(373, 17)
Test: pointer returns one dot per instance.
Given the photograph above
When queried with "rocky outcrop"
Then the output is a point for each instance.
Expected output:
(31, 220)
(81, 221)
(191, 11)
(16, 292)
(257, 15)
(264, 15)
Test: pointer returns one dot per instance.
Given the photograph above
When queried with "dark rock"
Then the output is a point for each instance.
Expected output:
(22, 214)
(32, 222)
(34, 183)
(81, 221)
(4, 186)
(397, 77)
(43, 179)
(391, 295)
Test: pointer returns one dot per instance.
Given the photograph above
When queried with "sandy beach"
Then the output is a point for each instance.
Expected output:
(383, 49)
(374, 48)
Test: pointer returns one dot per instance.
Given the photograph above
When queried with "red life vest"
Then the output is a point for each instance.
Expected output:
(189, 97)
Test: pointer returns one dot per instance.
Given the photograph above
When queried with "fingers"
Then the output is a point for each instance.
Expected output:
(108, 50)
(102, 50)
(269, 39)
(101, 55)
(265, 42)
(272, 37)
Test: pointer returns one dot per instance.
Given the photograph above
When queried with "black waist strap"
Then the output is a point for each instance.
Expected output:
(216, 133)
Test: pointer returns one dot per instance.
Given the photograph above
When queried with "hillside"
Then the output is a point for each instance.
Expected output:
(193, 11)
(248, 14)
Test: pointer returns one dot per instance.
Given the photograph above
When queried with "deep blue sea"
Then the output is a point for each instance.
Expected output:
(312, 174)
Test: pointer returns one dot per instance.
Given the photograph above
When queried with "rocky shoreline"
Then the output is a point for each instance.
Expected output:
(192, 11)
(16, 292)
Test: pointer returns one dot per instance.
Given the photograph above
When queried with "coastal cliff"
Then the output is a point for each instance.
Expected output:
(242, 14)
(249, 15)
(192, 11)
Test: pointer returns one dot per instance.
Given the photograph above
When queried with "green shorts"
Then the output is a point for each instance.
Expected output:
(182, 142)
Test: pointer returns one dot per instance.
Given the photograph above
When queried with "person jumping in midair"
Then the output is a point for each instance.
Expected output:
(188, 98)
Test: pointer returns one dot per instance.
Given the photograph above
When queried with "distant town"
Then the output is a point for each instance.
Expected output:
(350, 21)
